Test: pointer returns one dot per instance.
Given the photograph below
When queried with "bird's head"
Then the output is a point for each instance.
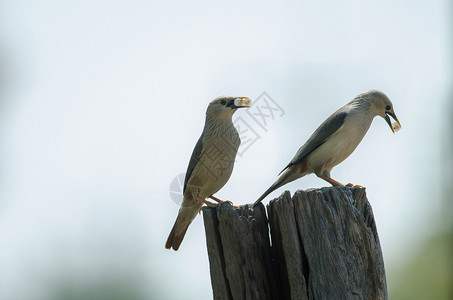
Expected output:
(381, 105)
(225, 106)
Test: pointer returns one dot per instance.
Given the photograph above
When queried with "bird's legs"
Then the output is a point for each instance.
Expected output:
(210, 204)
(218, 200)
(330, 180)
(336, 183)
(221, 201)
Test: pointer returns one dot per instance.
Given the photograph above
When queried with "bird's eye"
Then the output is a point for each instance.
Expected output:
(388, 107)
(223, 102)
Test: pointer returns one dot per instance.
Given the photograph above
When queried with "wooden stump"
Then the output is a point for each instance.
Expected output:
(319, 244)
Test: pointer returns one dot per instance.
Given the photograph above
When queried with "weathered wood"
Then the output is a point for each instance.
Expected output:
(324, 246)
(239, 253)
(289, 253)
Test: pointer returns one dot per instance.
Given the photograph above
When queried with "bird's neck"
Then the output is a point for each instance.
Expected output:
(218, 125)
(363, 118)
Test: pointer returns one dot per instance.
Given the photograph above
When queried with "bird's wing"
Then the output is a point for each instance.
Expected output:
(324, 131)
(193, 161)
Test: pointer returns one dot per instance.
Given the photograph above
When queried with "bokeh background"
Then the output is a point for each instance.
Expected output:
(102, 103)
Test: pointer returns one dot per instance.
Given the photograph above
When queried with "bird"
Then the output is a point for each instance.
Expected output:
(336, 138)
(210, 165)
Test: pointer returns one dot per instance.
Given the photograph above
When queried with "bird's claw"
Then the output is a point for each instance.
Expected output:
(221, 201)
(354, 185)
(229, 202)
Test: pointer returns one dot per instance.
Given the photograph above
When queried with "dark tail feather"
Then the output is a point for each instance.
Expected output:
(280, 181)
(173, 240)
(186, 215)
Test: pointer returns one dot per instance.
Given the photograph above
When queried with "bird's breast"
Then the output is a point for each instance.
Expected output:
(215, 163)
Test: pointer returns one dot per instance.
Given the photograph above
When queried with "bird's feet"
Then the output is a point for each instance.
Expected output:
(354, 185)
(221, 201)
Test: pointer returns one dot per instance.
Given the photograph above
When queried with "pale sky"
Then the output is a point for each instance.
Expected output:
(103, 102)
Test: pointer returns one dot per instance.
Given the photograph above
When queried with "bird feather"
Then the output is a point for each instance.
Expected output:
(321, 134)
(193, 161)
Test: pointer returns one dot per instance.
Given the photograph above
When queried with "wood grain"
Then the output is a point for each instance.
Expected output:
(318, 244)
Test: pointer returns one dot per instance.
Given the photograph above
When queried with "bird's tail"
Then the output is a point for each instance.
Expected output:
(185, 217)
(282, 180)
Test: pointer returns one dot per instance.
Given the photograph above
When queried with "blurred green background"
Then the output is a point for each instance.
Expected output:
(102, 103)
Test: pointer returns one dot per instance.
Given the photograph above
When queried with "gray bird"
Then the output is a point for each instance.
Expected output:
(336, 138)
(211, 163)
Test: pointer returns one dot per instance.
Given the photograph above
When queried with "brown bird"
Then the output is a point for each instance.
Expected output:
(211, 163)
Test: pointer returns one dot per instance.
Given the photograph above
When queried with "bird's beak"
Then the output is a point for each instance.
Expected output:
(240, 102)
(395, 126)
